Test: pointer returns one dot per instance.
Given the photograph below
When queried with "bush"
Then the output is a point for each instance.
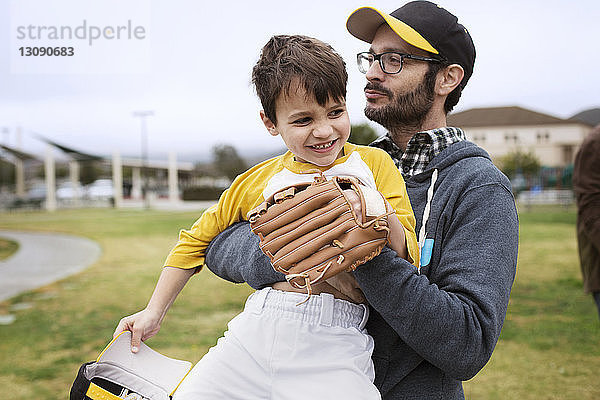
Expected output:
(202, 193)
(362, 134)
(227, 161)
(519, 162)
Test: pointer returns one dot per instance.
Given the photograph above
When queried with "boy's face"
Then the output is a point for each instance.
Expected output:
(313, 133)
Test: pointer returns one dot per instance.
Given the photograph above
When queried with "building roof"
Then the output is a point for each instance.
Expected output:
(503, 116)
(74, 154)
(18, 153)
(591, 116)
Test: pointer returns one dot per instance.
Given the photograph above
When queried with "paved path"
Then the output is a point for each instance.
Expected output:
(43, 258)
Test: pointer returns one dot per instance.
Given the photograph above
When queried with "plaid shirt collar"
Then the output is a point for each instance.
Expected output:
(420, 149)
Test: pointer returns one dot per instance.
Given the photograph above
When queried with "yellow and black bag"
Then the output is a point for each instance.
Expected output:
(119, 374)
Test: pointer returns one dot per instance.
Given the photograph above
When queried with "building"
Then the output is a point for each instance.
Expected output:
(591, 116)
(502, 130)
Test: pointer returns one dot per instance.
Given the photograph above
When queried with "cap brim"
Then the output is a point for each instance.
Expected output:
(364, 22)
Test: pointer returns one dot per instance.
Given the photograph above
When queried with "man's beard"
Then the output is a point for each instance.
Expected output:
(404, 110)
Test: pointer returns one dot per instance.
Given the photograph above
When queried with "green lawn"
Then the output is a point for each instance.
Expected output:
(549, 347)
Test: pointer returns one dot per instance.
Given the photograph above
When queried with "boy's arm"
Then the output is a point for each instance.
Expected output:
(398, 237)
(234, 255)
(391, 185)
(146, 323)
(243, 195)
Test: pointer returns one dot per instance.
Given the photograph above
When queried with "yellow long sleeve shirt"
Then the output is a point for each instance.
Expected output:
(371, 166)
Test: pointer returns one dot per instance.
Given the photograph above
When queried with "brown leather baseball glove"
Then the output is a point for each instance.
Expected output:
(310, 231)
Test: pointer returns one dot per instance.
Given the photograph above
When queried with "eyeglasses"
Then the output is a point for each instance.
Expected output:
(389, 61)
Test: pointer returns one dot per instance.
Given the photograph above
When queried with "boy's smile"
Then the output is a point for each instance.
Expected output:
(324, 147)
(313, 133)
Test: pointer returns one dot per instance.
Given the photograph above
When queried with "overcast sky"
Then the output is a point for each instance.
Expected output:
(192, 67)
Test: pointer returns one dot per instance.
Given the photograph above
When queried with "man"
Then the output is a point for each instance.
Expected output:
(586, 182)
(436, 325)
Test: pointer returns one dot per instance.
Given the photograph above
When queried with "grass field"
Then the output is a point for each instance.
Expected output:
(7, 248)
(549, 348)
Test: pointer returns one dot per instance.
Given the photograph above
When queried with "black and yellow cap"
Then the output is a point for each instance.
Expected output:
(424, 25)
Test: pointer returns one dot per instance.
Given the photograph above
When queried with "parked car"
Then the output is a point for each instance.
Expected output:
(68, 191)
(36, 194)
(34, 198)
(101, 189)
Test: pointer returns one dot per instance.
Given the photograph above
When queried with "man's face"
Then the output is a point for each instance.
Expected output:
(402, 99)
(313, 133)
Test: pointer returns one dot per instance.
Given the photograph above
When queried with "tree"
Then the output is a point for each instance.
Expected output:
(227, 161)
(7, 173)
(362, 134)
(89, 171)
(519, 162)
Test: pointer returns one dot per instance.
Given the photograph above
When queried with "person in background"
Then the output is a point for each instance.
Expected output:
(586, 184)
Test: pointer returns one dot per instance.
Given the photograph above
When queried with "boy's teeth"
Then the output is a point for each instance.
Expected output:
(322, 146)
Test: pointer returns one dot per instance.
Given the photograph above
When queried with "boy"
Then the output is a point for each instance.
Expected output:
(274, 348)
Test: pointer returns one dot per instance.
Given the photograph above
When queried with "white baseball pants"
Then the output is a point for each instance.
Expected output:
(276, 349)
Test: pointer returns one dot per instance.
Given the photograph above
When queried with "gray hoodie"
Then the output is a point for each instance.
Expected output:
(435, 327)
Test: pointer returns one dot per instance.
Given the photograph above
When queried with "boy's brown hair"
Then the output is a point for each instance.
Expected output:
(316, 65)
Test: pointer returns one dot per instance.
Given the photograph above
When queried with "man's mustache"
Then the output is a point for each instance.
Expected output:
(378, 88)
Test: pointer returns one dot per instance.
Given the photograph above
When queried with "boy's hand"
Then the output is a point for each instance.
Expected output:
(346, 284)
(397, 237)
(142, 325)
(354, 201)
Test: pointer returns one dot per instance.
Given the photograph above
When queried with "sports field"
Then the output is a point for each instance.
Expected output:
(549, 348)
